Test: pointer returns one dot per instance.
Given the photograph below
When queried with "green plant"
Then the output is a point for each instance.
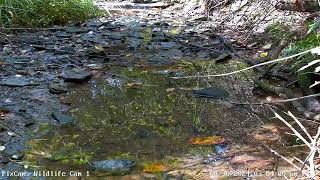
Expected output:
(44, 13)
(277, 31)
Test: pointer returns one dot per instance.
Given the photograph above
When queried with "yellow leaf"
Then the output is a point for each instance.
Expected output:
(170, 89)
(134, 85)
(11, 13)
(99, 48)
(153, 168)
(264, 54)
(207, 140)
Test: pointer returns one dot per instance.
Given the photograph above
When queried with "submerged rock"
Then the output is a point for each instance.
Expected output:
(56, 88)
(72, 73)
(114, 166)
(212, 92)
(62, 119)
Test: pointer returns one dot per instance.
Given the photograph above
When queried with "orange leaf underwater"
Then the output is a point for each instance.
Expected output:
(207, 140)
(153, 168)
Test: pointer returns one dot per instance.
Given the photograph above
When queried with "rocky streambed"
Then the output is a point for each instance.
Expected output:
(98, 98)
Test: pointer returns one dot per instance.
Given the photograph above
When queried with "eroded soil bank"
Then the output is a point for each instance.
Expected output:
(74, 96)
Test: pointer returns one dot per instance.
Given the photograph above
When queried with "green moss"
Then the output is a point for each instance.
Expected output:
(265, 87)
(147, 35)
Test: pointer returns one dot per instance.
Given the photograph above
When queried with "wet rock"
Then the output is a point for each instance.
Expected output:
(114, 166)
(223, 58)
(134, 43)
(220, 148)
(117, 83)
(209, 55)
(171, 72)
(96, 51)
(115, 35)
(172, 53)
(134, 34)
(141, 132)
(56, 88)
(93, 38)
(212, 92)
(4, 160)
(173, 175)
(168, 45)
(62, 119)
(75, 30)
(159, 61)
(18, 157)
(17, 82)
(73, 73)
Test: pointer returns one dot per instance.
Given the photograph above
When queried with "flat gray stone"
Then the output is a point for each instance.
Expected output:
(16, 82)
(62, 119)
(75, 74)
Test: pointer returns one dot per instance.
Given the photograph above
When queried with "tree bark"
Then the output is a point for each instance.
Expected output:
(299, 5)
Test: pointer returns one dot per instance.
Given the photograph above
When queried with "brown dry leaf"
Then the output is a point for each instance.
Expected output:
(266, 137)
(134, 85)
(256, 165)
(211, 140)
(273, 128)
(3, 63)
(153, 168)
(242, 159)
(3, 113)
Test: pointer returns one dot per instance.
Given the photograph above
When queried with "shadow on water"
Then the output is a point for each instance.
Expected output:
(137, 114)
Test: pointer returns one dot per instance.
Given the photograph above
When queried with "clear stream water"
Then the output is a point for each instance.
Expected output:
(139, 114)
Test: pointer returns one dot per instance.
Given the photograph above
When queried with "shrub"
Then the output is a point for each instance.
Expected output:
(44, 13)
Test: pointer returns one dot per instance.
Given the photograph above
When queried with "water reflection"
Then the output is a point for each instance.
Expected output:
(139, 115)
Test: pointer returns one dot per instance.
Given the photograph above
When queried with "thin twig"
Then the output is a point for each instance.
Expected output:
(10, 128)
(248, 68)
(293, 129)
(308, 157)
(284, 158)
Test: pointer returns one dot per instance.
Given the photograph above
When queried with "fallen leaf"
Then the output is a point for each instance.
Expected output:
(170, 89)
(99, 49)
(267, 46)
(211, 140)
(256, 165)
(134, 85)
(243, 159)
(264, 54)
(266, 137)
(2, 63)
(153, 168)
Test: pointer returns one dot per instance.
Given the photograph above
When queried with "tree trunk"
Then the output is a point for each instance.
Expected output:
(299, 5)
